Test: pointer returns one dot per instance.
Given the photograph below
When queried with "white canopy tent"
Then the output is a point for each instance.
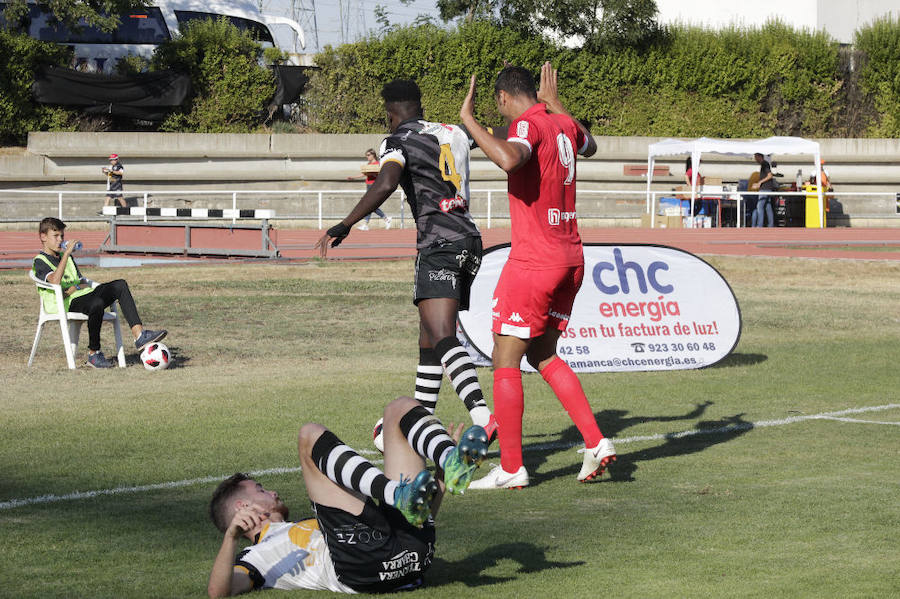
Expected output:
(696, 147)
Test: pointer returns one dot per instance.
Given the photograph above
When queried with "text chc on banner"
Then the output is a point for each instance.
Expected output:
(640, 307)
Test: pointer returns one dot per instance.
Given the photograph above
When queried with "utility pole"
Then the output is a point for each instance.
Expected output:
(304, 12)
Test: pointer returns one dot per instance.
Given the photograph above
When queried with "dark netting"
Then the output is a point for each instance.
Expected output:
(147, 96)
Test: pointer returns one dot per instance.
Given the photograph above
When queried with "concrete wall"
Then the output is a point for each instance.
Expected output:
(55, 162)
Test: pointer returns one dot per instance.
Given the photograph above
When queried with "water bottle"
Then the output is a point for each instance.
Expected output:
(799, 179)
(65, 244)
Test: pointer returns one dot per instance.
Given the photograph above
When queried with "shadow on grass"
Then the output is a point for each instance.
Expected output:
(530, 558)
(739, 360)
(704, 434)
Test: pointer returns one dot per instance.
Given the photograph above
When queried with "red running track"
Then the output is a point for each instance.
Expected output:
(17, 248)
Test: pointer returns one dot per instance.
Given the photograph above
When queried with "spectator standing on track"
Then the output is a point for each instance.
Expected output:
(537, 287)
(114, 174)
(370, 173)
(704, 207)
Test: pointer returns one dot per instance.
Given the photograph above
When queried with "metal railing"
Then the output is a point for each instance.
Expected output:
(482, 202)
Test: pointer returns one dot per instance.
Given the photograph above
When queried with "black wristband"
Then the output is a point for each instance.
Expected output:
(340, 230)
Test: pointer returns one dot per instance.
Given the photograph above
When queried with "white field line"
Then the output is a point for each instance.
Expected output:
(857, 420)
(14, 503)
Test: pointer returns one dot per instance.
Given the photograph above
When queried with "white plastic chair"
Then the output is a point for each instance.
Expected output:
(70, 323)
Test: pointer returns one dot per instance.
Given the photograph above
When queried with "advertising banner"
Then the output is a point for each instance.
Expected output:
(640, 307)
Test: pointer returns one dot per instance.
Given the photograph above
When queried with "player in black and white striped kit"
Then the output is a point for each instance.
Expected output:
(373, 530)
(430, 161)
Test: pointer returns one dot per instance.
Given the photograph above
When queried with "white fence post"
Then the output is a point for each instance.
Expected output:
(234, 207)
(320, 209)
(489, 210)
(145, 206)
(59, 201)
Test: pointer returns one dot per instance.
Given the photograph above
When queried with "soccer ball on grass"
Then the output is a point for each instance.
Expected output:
(156, 356)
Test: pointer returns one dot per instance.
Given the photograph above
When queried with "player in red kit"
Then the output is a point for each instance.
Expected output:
(536, 290)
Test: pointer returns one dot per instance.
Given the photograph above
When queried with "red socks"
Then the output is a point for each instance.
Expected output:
(568, 390)
(509, 405)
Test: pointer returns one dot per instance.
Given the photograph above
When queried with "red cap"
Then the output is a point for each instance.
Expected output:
(113, 156)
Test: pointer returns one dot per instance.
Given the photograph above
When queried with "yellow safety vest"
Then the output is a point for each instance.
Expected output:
(70, 278)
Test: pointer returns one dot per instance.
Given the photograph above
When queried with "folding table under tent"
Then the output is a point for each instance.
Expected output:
(696, 147)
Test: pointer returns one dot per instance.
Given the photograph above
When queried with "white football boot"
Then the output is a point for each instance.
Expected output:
(498, 478)
(596, 460)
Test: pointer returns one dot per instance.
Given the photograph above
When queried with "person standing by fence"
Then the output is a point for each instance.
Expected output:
(370, 173)
(765, 185)
(114, 174)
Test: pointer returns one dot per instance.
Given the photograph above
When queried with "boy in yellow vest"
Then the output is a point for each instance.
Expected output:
(55, 265)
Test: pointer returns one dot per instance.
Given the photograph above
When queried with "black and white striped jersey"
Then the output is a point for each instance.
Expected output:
(435, 161)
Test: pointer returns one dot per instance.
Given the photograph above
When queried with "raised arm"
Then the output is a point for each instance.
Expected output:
(56, 276)
(549, 95)
(510, 156)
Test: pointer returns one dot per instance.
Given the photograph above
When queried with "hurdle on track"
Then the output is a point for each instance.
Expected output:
(176, 233)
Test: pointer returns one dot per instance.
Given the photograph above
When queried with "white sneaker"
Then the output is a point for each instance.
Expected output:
(363, 227)
(596, 460)
(498, 478)
(387, 222)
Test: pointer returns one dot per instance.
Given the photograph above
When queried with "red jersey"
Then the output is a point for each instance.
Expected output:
(542, 191)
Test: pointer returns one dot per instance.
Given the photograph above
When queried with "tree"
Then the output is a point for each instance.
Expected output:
(102, 14)
(383, 18)
(469, 10)
(230, 86)
(629, 23)
(566, 18)
(616, 23)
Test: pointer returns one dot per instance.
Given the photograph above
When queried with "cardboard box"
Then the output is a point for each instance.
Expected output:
(662, 222)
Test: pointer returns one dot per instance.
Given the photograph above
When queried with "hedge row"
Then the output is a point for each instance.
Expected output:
(19, 114)
(230, 87)
(732, 83)
(879, 46)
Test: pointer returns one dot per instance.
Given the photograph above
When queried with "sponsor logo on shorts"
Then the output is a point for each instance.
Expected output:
(400, 565)
(515, 317)
(442, 275)
(556, 216)
(448, 204)
(515, 331)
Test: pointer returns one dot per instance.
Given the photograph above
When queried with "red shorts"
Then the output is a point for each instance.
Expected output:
(526, 302)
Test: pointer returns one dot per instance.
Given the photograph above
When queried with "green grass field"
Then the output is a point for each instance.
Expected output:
(760, 501)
